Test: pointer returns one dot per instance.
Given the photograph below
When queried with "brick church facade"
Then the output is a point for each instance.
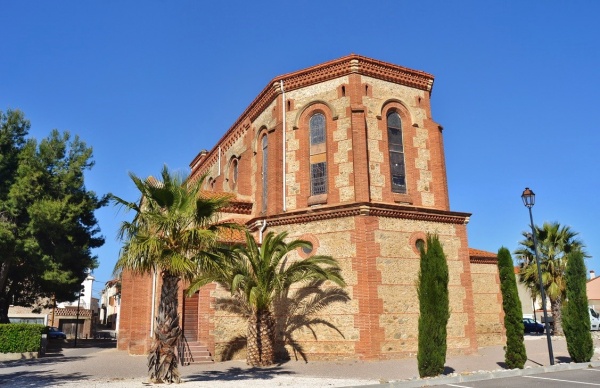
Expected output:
(344, 154)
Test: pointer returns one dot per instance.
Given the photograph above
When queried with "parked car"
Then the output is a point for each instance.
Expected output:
(594, 319)
(54, 333)
(532, 326)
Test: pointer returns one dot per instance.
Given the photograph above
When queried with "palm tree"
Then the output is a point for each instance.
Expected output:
(259, 277)
(555, 243)
(293, 311)
(173, 230)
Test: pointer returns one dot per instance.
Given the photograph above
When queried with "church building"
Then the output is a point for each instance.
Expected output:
(345, 154)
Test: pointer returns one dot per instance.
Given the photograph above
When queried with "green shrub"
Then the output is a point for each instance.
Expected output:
(515, 354)
(576, 316)
(434, 308)
(20, 337)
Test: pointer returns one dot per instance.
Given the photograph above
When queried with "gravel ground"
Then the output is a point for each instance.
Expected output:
(99, 364)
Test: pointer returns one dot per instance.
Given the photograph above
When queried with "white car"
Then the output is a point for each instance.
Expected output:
(594, 319)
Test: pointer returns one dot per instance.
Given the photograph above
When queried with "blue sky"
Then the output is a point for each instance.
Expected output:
(147, 83)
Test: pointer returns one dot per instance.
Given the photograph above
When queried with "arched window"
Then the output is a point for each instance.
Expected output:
(233, 172)
(318, 155)
(396, 151)
(265, 161)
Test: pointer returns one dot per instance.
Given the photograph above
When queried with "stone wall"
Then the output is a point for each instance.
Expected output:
(380, 264)
(489, 316)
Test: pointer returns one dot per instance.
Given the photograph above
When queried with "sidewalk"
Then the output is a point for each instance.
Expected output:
(108, 367)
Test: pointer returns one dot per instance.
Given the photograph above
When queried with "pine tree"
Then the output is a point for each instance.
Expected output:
(576, 316)
(434, 308)
(515, 354)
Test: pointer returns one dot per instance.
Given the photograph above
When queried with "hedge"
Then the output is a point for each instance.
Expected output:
(20, 337)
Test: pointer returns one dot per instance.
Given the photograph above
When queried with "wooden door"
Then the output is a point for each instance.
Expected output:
(190, 317)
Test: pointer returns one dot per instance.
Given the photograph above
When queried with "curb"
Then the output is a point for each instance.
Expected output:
(487, 375)
(18, 356)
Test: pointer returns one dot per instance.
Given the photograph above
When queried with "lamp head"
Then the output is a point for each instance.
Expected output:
(528, 197)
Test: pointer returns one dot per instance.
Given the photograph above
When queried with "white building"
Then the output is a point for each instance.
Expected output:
(110, 304)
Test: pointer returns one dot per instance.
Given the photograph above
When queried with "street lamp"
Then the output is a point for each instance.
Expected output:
(528, 198)
(77, 316)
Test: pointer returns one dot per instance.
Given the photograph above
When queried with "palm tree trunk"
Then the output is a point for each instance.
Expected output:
(260, 350)
(162, 360)
(556, 306)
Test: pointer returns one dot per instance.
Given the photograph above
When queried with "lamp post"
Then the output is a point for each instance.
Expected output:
(528, 198)
(77, 317)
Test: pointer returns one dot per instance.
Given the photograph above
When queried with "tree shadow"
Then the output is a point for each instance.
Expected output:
(502, 364)
(236, 373)
(35, 379)
(300, 311)
(292, 313)
(448, 370)
(563, 359)
(58, 345)
(51, 359)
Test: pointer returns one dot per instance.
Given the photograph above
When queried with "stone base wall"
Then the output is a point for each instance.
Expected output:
(380, 263)
(489, 316)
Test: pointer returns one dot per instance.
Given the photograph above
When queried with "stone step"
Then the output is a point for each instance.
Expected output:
(195, 352)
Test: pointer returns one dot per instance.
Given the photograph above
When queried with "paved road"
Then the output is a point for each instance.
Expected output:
(569, 378)
(96, 363)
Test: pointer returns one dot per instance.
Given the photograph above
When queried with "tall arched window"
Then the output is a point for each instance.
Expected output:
(318, 155)
(265, 160)
(233, 172)
(396, 150)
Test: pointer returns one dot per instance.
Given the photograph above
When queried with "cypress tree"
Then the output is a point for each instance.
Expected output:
(515, 354)
(576, 316)
(434, 309)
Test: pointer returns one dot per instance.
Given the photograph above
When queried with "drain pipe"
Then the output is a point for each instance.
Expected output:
(153, 304)
(261, 230)
(284, 139)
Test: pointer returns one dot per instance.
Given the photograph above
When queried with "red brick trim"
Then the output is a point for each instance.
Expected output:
(313, 240)
(239, 207)
(483, 260)
(413, 241)
(365, 208)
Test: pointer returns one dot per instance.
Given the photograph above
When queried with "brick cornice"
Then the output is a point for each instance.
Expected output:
(351, 64)
(239, 207)
(367, 209)
(483, 260)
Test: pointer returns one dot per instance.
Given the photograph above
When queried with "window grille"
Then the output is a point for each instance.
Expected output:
(396, 153)
(318, 178)
(317, 129)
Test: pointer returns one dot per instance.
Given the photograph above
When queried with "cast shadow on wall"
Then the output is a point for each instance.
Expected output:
(299, 311)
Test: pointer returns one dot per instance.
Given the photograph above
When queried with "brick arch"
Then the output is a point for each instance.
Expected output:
(414, 237)
(399, 106)
(313, 240)
(257, 138)
(230, 179)
(301, 112)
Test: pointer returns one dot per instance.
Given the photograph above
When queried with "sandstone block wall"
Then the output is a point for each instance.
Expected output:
(489, 316)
